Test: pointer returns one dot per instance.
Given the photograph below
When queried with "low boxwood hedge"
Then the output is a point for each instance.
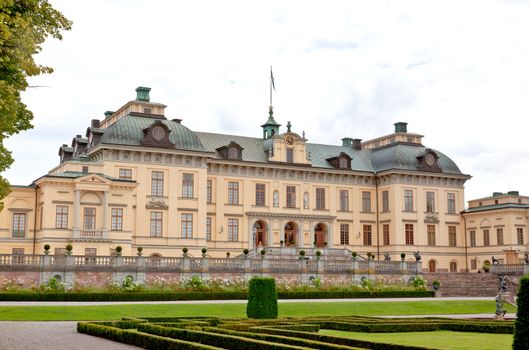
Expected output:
(175, 296)
(142, 340)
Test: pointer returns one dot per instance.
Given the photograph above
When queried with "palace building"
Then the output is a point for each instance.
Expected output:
(138, 179)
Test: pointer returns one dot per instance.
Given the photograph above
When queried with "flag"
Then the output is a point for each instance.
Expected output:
(272, 79)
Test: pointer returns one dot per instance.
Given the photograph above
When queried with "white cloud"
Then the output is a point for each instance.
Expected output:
(455, 71)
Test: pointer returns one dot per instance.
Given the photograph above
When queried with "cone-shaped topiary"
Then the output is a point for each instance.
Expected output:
(521, 327)
(262, 298)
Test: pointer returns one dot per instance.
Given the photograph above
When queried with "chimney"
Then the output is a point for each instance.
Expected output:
(142, 93)
(401, 127)
(176, 120)
(513, 193)
(357, 144)
(108, 114)
(496, 194)
(95, 123)
(347, 142)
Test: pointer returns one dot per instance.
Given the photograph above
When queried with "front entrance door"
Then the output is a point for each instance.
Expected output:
(320, 235)
(260, 234)
(290, 234)
(431, 266)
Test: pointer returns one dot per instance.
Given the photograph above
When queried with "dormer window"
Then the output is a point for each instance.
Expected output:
(343, 161)
(233, 151)
(157, 135)
(428, 161)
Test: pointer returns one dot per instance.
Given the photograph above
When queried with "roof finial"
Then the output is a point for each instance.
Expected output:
(288, 126)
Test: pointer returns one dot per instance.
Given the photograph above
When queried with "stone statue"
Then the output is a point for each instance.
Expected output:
(276, 199)
(417, 256)
(306, 200)
(500, 311)
(503, 284)
(387, 257)
(494, 261)
(526, 258)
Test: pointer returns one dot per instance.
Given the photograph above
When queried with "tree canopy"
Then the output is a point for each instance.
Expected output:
(24, 26)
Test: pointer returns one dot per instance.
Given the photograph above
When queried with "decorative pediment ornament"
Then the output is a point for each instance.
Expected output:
(428, 161)
(157, 203)
(431, 219)
(157, 135)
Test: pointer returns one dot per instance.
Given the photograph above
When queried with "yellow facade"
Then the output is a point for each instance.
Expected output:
(140, 180)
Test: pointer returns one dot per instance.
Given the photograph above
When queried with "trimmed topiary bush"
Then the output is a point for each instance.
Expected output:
(69, 249)
(521, 326)
(262, 298)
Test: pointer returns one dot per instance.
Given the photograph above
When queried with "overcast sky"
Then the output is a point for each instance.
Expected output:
(456, 71)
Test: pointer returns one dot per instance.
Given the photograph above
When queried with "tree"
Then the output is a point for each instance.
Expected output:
(262, 298)
(24, 26)
(521, 327)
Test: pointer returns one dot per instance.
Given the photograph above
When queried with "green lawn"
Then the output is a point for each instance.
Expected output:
(116, 312)
(435, 340)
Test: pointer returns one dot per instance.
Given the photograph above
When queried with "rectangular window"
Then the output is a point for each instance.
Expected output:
(157, 183)
(156, 224)
(233, 229)
(233, 192)
(89, 222)
(472, 238)
(290, 155)
(452, 236)
(208, 228)
(209, 188)
(430, 232)
(451, 203)
(408, 200)
(320, 198)
(344, 234)
(291, 196)
(430, 202)
(486, 238)
(367, 234)
(385, 233)
(519, 235)
(385, 201)
(260, 194)
(499, 236)
(125, 174)
(344, 200)
(61, 216)
(187, 225)
(187, 185)
(117, 219)
(366, 202)
(19, 224)
(473, 264)
(408, 231)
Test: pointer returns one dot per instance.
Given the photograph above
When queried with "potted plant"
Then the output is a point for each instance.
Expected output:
(301, 254)
(184, 251)
(227, 255)
(245, 251)
(402, 256)
(281, 243)
(204, 251)
(325, 244)
(263, 252)
(119, 250)
(69, 249)
(486, 266)
(436, 284)
(318, 255)
(140, 251)
(46, 249)
(368, 256)
(354, 255)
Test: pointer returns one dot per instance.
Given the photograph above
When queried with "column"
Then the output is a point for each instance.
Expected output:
(77, 214)
(106, 195)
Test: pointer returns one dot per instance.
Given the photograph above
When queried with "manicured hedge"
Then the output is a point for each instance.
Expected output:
(521, 334)
(262, 298)
(175, 296)
(282, 339)
(424, 326)
(221, 340)
(142, 340)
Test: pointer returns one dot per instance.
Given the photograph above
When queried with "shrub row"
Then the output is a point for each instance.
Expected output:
(142, 340)
(175, 296)
(282, 339)
(220, 340)
(337, 340)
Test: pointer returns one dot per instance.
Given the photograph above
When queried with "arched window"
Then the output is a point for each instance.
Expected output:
(453, 266)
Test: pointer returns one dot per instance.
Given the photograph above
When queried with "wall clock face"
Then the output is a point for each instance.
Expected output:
(429, 159)
(158, 133)
(289, 140)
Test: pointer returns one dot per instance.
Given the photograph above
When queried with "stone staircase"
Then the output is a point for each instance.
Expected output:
(465, 284)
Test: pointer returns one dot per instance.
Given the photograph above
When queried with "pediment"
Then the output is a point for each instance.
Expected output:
(93, 179)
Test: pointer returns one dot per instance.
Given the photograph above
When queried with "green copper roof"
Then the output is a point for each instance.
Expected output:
(76, 174)
(129, 131)
(496, 207)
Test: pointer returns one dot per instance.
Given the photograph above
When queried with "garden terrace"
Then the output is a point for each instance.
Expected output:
(284, 333)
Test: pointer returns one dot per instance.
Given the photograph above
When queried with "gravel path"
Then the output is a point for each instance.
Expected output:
(52, 335)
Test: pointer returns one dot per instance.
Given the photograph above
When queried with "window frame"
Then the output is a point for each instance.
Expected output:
(367, 233)
(186, 225)
(233, 192)
(19, 225)
(125, 174)
(233, 230)
(452, 236)
(260, 194)
(157, 183)
(188, 184)
(61, 217)
(208, 228)
(430, 202)
(344, 200)
(431, 235)
(408, 200)
(366, 202)
(320, 198)
(344, 234)
(209, 191)
(409, 234)
(89, 218)
(116, 221)
(291, 196)
(451, 203)
(385, 234)
(385, 201)
(156, 224)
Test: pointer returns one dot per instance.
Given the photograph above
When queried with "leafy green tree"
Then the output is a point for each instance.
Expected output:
(521, 327)
(262, 298)
(24, 26)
